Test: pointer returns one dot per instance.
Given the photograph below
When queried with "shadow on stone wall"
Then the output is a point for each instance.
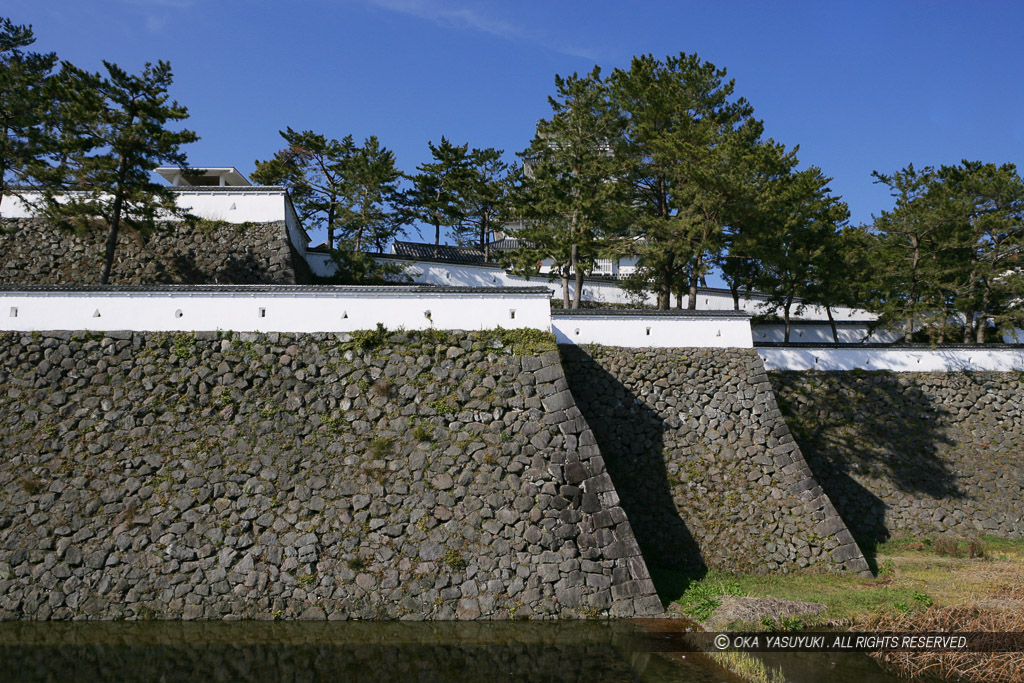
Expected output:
(858, 430)
(704, 464)
(631, 441)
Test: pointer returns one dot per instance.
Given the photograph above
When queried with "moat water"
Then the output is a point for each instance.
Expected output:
(371, 651)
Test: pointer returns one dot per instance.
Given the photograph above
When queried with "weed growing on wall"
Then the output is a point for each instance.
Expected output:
(522, 342)
(453, 560)
(367, 340)
(422, 433)
(444, 406)
(183, 345)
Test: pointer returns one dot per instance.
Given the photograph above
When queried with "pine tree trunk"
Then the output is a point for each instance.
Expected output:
(484, 243)
(115, 222)
(664, 292)
(330, 228)
(785, 317)
(565, 287)
(577, 275)
(692, 300)
(832, 324)
(979, 335)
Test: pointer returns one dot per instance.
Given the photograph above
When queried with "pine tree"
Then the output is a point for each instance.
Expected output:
(312, 167)
(486, 198)
(911, 255)
(24, 93)
(116, 131)
(797, 243)
(571, 202)
(441, 188)
(687, 142)
(371, 211)
(986, 203)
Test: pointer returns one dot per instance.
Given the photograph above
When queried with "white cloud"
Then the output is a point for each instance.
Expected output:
(461, 16)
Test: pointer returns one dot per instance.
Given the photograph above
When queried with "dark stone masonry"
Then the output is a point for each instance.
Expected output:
(319, 476)
(908, 453)
(706, 468)
(33, 251)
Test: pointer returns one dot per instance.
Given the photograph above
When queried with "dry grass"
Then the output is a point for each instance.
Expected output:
(990, 667)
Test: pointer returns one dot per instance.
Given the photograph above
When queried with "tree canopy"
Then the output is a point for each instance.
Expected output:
(947, 256)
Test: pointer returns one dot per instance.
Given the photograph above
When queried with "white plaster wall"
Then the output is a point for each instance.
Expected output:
(821, 333)
(250, 204)
(461, 275)
(651, 331)
(897, 360)
(320, 263)
(246, 205)
(296, 234)
(271, 312)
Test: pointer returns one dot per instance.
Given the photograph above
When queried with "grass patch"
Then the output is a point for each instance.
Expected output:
(960, 666)
(453, 560)
(702, 597)
(845, 597)
(915, 574)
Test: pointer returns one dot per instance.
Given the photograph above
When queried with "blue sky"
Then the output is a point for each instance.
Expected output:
(859, 86)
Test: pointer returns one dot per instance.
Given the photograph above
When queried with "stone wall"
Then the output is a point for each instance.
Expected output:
(705, 466)
(907, 453)
(372, 475)
(33, 252)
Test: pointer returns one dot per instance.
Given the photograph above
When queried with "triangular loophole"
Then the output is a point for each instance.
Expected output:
(96, 313)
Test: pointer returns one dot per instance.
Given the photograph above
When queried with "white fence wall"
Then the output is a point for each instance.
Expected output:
(281, 309)
(821, 333)
(897, 360)
(604, 291)
(658, 331)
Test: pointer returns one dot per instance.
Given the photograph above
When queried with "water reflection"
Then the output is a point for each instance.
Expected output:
(353, 651)
(365, 651)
